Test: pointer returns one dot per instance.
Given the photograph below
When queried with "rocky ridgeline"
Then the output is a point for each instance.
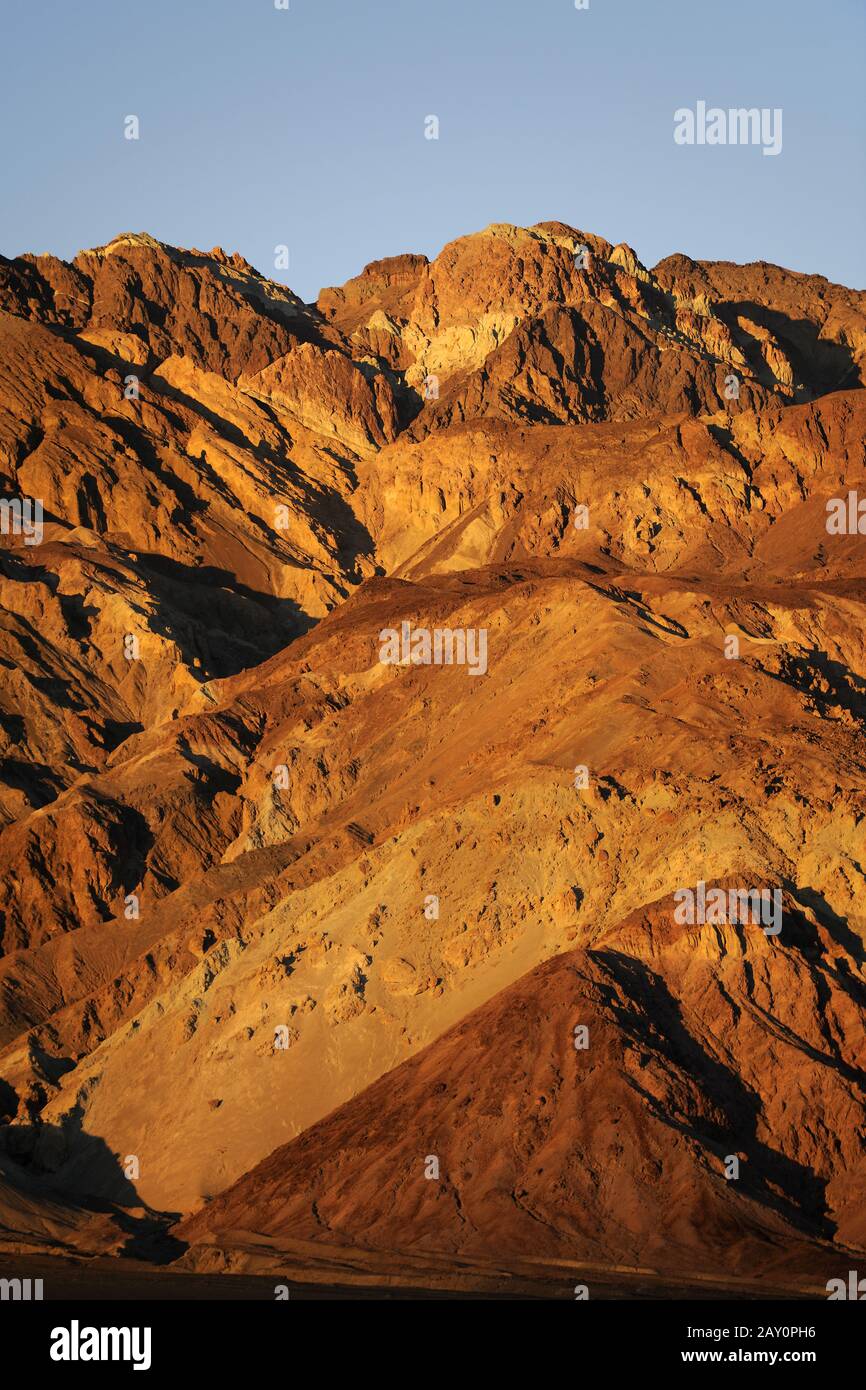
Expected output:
(253, 873)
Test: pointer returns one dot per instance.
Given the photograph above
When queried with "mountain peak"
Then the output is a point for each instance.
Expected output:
(410, 921)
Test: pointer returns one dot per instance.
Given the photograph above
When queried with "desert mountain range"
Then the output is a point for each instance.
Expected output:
(224, 820)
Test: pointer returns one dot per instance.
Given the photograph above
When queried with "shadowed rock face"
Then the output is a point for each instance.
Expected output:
(225, 819)
(514, 1136)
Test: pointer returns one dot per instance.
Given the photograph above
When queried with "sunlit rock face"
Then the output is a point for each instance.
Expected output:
(381, 678)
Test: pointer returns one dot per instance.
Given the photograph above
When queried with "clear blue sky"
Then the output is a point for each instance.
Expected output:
(306, 127)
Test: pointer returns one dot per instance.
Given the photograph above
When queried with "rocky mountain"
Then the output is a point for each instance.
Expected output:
(280, 919)
(503, 1141)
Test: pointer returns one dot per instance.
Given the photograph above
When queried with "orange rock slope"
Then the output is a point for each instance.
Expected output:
(281, 921)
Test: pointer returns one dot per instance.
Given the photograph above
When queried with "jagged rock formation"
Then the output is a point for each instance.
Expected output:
(238, 826)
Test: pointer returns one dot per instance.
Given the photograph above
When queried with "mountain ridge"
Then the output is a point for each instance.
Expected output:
(238, 822)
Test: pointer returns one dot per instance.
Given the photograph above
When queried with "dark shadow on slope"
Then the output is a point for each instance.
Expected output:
(140, 444)
(39, 783)
(115, 732)
(209, 776)
(656, 1025)
(828, 686)
(724, 437)
(65, 1165)
(836, 925)
(8, 1100)
(52, 1068)
(130, 840)
(821, 366)
(91, 512)
(224, 626)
